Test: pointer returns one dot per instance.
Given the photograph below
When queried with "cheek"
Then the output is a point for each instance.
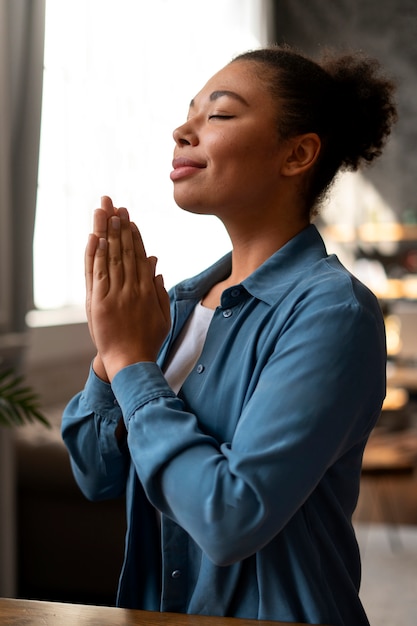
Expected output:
(220, 147)
(229, 156)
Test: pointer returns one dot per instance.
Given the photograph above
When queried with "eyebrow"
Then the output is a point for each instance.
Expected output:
(224, 92)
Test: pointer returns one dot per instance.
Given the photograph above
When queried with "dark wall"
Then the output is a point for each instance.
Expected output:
(387, 30)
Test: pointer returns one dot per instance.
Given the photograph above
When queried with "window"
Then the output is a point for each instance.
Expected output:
(119, 75)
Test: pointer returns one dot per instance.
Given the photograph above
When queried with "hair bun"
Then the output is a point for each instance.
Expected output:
(364, 109)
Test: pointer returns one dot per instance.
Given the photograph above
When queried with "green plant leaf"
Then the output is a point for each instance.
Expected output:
(19, 403)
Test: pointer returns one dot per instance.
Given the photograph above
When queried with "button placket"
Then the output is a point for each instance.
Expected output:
(174, 563)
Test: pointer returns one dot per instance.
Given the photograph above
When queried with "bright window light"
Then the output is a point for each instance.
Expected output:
(119, 75)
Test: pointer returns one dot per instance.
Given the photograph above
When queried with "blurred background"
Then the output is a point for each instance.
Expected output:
(91, 91)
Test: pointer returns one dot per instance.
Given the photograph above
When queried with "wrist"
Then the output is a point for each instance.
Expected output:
(99, 369)
(114, 366)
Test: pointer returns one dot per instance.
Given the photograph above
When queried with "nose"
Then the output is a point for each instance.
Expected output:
(184, 135)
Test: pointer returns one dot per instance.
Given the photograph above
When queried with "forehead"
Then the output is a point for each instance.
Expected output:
(239, 77)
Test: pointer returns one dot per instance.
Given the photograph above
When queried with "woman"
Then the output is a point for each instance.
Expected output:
(234, 413)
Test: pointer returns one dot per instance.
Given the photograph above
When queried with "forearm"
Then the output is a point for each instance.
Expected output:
(185, 472)
(95, 440)
(100, 371)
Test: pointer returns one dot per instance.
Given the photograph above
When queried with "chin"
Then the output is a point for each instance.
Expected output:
(191, 207)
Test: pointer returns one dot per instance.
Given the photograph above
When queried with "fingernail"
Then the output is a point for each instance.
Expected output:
(115, 222)
(123, 213)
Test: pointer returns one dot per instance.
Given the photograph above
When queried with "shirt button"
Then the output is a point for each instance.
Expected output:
(227, 313)
(235, 293)
(200, 368)
(176, 573)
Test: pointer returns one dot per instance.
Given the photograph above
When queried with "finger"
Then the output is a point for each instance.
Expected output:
(127, 248)
(123, 213)
(163, 299)
(100, 223)
(101, 278)
(107, 206)
(102, 215)
(152, 261)
(114, 253)
(142, 261)
(89, 261)
(137, 240)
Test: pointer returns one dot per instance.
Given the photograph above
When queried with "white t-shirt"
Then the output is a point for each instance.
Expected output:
(188, 347)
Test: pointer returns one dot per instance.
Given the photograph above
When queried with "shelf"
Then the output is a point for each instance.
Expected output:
(372, 233)
(375, 233)
(395, 289)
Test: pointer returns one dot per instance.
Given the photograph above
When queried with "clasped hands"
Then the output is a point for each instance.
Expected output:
(127, 305)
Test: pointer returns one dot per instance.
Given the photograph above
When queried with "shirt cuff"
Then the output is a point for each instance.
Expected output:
(137, 384)
(99, 398)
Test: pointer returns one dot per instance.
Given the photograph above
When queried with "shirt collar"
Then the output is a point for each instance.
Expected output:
(271, 278)
(281, 269)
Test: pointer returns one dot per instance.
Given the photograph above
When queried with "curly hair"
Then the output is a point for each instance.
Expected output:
(344, 98)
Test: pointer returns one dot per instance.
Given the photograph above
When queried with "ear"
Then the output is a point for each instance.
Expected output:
(302, 154)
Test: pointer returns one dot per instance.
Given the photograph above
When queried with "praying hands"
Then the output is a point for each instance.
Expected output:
(126, 302)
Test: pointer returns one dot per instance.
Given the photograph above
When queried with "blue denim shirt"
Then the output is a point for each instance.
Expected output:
(255, 465)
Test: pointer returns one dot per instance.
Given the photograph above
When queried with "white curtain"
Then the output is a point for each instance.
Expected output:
(21, 69)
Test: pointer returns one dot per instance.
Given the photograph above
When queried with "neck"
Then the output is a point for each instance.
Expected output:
(251, 248)
(246, 258)
(253, 245)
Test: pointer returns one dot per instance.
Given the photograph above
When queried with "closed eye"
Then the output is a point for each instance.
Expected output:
(221, 117)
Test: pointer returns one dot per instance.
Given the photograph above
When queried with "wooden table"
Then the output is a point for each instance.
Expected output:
(35, 613)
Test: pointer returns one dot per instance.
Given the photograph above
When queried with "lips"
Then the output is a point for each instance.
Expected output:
(184, 167)
(183, 162)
